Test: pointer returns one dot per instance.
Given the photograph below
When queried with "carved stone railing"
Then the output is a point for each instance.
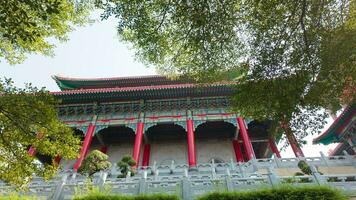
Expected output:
(190, 183)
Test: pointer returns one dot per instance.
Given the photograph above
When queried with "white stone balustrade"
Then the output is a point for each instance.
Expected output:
(178, 179)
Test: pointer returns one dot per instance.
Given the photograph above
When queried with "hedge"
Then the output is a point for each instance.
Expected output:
(117, 197)
(282, 193)
(14, 196)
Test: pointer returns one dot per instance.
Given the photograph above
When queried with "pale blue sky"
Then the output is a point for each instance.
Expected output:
(96, 51)
(92, 51)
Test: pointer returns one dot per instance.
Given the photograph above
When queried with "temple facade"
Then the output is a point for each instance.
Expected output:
(160, 121)
(185, 139)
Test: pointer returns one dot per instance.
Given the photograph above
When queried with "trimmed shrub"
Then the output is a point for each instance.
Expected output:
(116, 197)
(282, 193)
(94, 162)
(304, 167)
(126, 165)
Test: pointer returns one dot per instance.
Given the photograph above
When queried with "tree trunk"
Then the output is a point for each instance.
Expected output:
(292, 140)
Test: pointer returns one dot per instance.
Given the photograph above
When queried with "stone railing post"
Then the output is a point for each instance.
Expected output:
(277, 160)
(242, 171)
(228, 181)
(142, 183)
(58, 192)
(113, 170)
(254, 164)
(232, 165)
(172, 167)
(213, 171)
(272, 177)
(102, 179)
(128, 176)
(317, 177)
(186, 189)
(74, 175)
(324, 159)
(186, 173)
(154, 167)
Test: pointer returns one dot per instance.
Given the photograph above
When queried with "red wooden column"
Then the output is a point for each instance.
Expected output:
(246, 139)
(146, 155)
(191, 144)
(138, 142)
(32, 150)
(273, 146)
(85, 147)
(57, 160)
(237, 149)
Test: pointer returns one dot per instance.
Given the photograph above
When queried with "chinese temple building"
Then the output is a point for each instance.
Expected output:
(342, 131)
(158, 120)
(185, 139)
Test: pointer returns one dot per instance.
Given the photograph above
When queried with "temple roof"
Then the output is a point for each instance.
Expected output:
(66, 83)
(134, 88)
(333, 134)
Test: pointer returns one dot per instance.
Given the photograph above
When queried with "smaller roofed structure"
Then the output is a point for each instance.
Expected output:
(342, 131)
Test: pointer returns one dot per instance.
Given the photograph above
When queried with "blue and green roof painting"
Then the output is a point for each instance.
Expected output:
(338, 128)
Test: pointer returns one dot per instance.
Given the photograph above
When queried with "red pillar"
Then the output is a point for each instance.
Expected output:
(138, 142)
(273, 147)
(32, 150)
(246, 139)
(85, 147)
(146, 155)
(191, 144)
(104, 149)
(237, 149)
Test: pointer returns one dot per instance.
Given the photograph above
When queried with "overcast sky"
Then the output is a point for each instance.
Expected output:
(96, 51)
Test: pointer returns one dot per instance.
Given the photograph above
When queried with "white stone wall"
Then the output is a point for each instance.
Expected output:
(218, 149)
(116, 152)
(163, 152)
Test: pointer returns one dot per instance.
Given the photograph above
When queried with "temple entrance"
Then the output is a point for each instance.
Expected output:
(117, 141)
(168, 143)
(213, 140)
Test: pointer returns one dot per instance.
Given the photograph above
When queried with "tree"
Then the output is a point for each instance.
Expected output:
(95, 161)
(29, 26)
(28, 118)
(126, 165)
(281, 53)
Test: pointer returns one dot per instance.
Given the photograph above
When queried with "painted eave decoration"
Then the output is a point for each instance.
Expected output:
(338, 128)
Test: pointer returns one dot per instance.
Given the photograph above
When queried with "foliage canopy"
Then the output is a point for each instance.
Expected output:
(30, 26)
(290, 58)
(28, 118)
